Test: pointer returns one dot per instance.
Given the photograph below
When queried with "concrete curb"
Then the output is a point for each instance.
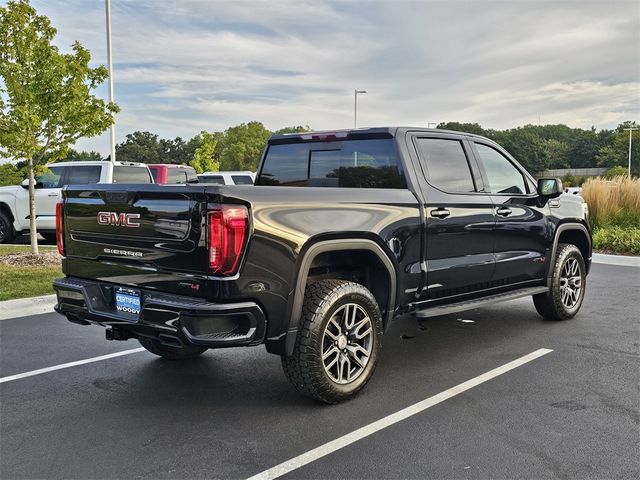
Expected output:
(621, 260)
(23, 307)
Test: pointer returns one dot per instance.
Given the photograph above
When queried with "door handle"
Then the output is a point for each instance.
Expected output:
(52, 194)
(440, 213)
(504, 211)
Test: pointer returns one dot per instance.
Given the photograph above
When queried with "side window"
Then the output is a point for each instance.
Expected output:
(176, 175)
(82, 175)
(503, 176)
(214, 179)
(446, 164)
(242, 179)
(131, 175)
(51, 177)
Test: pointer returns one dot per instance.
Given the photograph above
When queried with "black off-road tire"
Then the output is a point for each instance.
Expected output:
(6, 229)
(171, 353)
(304, 368)
(550, 305)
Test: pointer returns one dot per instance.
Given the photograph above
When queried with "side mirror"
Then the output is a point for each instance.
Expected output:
(550, 187)
(25, 184)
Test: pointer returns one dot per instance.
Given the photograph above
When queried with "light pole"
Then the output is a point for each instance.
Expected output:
(355, 106)
(630, 134)
(110, 67)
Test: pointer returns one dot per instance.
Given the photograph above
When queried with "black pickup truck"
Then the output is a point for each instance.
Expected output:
(342, 232)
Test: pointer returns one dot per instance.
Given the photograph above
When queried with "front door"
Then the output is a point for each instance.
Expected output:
(522, 232)
(459, 218)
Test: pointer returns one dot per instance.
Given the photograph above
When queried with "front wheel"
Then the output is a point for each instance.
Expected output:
(568, 284)
(338, 341)
(171, 353)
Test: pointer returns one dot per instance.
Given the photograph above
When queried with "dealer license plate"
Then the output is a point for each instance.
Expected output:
(128, 301)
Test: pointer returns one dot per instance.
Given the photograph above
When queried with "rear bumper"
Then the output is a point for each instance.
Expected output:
(174, 320)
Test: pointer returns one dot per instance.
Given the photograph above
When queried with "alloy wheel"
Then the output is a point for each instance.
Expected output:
(570, 283)
(347, 343)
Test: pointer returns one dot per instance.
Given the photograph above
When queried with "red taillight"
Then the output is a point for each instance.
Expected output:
(59, 233)
(228, 227)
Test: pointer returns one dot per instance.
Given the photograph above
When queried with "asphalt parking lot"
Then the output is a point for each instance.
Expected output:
(571, 413)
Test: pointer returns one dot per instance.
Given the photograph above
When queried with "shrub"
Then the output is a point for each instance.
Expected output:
(617, 239)
(617, 171)
(569, 180)
(614, 202)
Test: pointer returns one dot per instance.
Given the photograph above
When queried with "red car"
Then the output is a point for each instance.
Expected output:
(170, 173)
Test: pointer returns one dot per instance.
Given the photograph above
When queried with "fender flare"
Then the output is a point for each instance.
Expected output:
(303, 271)
(561, 228)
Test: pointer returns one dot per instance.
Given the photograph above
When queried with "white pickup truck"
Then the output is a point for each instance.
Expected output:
(14, 200)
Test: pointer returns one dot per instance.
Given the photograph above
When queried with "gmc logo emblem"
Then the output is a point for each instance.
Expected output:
(118, 219)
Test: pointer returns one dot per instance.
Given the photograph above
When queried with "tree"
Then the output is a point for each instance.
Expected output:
(203, 158)
(462, 127)
(142, 147)
(296, 129)
(82, 156)
(46, 100)
(557, 153)
(617, 151)
(243, 145)
(10, 175)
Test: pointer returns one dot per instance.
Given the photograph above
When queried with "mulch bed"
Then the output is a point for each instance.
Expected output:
(45, 259)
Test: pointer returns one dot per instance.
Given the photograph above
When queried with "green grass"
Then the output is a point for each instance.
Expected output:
(623, 240)
(21, 282)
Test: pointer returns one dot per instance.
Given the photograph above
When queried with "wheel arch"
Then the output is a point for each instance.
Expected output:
(576, 234)
(352, 246)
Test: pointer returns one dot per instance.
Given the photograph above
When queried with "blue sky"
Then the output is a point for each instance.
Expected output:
(186, 66)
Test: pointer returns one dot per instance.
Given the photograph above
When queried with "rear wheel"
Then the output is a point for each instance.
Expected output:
(338, 342)
(6, 229)
(568, 283)
(171, 353)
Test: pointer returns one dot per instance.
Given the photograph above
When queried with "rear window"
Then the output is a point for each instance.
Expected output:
(215, 179)
(350, 164)
(131, 175)
(242, 179)
(176, 175)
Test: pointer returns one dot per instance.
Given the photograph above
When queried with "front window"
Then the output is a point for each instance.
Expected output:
(503, 176)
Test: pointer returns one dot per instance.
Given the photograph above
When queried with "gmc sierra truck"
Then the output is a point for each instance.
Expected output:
(342, 232)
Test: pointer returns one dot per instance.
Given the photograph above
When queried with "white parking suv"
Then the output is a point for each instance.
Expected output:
(14, 200)
(227, 178)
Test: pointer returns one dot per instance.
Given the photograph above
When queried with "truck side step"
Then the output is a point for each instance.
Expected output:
(436, 311)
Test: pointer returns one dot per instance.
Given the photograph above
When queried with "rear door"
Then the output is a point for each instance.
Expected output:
(459, 217)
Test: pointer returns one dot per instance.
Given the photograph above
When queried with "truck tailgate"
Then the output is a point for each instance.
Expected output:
(154, 227)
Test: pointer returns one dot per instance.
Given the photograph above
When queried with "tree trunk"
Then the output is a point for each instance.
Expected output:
(32, 209)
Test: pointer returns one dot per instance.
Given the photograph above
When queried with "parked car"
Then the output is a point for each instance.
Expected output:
(164, 173)
(227, 178)
(343, 232)
(14, 200)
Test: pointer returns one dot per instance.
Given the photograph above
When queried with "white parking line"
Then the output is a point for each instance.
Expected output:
(40, 371)
(389, 420)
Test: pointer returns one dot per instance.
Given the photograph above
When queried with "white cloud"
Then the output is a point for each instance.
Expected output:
(184, 66)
